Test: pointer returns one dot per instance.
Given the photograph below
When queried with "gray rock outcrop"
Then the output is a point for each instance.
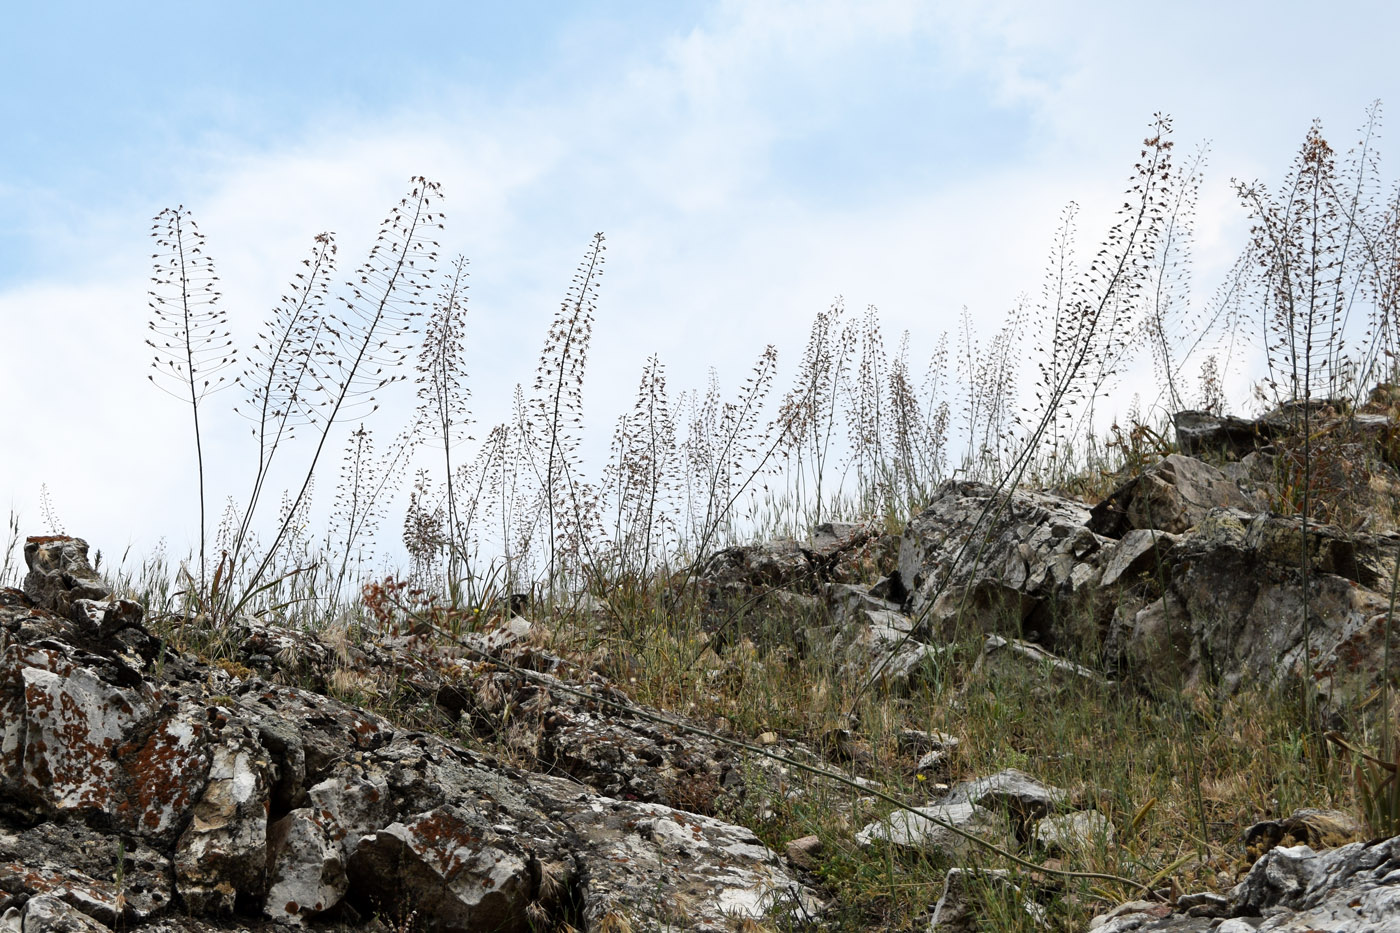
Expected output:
(1292, 889)
(989, 562)
(143, 789)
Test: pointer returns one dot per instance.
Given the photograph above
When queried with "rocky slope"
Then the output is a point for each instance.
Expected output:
(141, 788)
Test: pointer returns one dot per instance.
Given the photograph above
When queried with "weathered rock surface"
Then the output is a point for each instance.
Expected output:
(989, 562)
(927, 829)
(1170, 496)
(1293, 889)
(1140, 551)
(1010, 791)
(835, 552)
(150, 795)
(1233, 608)
(81, 867)
(881, 647)
(144, 789)
(999, 808)
(1203, 432)
(1179, 590)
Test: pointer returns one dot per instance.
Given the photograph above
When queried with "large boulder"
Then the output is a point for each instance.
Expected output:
(1234, 613)
(1170, 496)
(981, 560)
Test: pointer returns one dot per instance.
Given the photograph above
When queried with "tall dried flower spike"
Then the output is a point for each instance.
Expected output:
(443, 414)
(189, 329)
(557, 407)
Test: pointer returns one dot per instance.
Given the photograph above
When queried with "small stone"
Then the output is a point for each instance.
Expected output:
(768, 738)
(912, 741)
(927, 829)
(803, 852)
(1074, 831)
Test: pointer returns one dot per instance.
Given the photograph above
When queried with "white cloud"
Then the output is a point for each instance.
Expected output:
(714, 249)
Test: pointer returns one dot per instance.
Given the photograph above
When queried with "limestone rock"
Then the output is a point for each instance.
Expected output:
(109, 880)
(926, 829)
(839, 552)
(1339, 889)
(63, 724)
(59, 574)
(848, 602)
(1010, 791)
(1140, 551)
(1232, 613)
(1202, 432)
(455, 868)
(306, 866)
(223, 852)
(879, 647)
(1073, 832)
(659, 868)
(169, 796)
(49, 914)
(1170, 496)
(1293, 889)
(958, 910)
(993, 560)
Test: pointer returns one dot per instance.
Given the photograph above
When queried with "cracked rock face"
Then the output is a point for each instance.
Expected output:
(1169, 496)
(1293, 889)
(1233, 606)
(153, 796)
(1174, 577)
(982, 561)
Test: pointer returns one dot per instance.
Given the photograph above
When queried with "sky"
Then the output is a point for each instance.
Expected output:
(748, 163)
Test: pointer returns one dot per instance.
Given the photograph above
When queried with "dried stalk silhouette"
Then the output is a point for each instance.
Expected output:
(191, 341)
(442, 396)
(557, 410)
(286, 376)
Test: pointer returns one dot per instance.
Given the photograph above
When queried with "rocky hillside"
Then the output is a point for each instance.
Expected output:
(144, 787)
